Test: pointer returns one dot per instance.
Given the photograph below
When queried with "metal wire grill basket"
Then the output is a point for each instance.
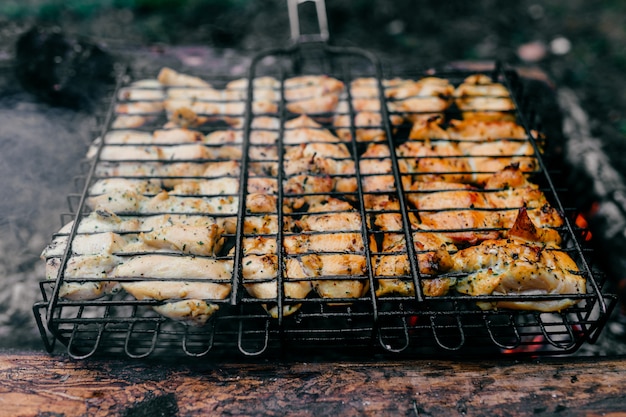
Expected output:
(414, 323)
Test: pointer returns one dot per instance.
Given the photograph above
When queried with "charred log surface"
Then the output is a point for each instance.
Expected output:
(62, 70)
(416, 388)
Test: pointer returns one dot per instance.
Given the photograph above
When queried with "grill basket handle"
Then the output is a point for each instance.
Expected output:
(294, 22)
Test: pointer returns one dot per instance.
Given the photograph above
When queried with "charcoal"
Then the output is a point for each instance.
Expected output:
(62, 70)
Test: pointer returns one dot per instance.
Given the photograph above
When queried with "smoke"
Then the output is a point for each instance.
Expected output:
(40, 147)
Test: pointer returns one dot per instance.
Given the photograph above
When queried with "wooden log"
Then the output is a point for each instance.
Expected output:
(39, 385)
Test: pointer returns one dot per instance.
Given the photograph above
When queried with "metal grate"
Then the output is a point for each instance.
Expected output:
(406, 323)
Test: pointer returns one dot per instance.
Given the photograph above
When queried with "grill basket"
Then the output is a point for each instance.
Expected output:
(415, 325)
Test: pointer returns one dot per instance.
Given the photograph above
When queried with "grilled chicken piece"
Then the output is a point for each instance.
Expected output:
(124, 121)
(305, 130)
(175, 277)
(183, 116)
(103, 221)
(173, 280)
(262, 268)
(192, 240)
(198, 151)
(513, 268)
(490, 146)
(317, 150)
(118, 137)
(457, 211)
(218, 110)
(222, 169)
(143, 90)
(393, 269)
(414, 100)
(215, 95)
(334, 216)
(303, 121)
(428, 128)
(454, 208)
(368, 87)
(260, 263)
(376, 171)
(477, 130)
(141, 186)
(525, 229)
(168, 153)
(316, 105)
(262, 83)
(307, 184)
(105, 243)
(220, 137)
(332, 266)
(257, 137)
(368, 125)
(263, 153)
(322, 158)
(127, 153)
(486, 158)
(311, 86)
(84, 275)
(265, 224)
(301, 185)
(117, 201)
(165, 203)
(312, 94)
(132, 202)
(261, 203)
(529, 196)
(150, 223)
(360, 105)
(170, 77)
(192, 312)
(163, 136)
(92, 257)
(479, 98)
(437, 161)
(218, 186)
(262, 185)
(204, 94)
(511, 189)
(323, 242)
(139, 107)
(190, 234)
(420, 108)
(268, 123)
(129, 169)
(424, 87)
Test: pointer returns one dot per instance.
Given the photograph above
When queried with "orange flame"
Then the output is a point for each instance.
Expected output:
(582, 222)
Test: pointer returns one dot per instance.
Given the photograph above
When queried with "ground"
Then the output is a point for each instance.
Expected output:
(580, 44)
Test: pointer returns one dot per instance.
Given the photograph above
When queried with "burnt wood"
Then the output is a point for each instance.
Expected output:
(33, 384)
